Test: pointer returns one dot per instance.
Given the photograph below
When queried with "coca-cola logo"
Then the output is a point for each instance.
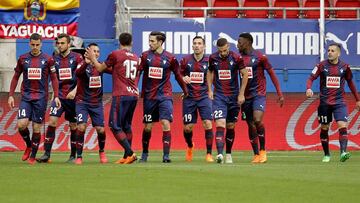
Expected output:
(303, 129)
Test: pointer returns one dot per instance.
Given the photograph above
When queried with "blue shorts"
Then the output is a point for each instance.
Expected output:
(155, 110)
(96, 113)
(121, 113)
(192, 106)
(257, 103)
(33, 110)
(67, 106)
(226, 108)
(325, 113)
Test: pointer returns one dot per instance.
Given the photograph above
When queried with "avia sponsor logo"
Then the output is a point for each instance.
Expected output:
(34, 73)
(95, 82)
(303, 128)
(155, 72)
(224, 74)
(24, 31)
(65, 73)
(332, 82)
(197, 77)
(272, 43)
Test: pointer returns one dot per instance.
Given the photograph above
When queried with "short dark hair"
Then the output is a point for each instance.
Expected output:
(35, 36)
(93, 44)
(221, 42)
(247, 36)
(336, 44)
(63, 35)
(125, 39)
(159, 36)
(199, 37)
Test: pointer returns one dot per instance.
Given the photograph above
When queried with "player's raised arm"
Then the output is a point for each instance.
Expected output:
(352, 87)
(313, 76)
(176, 70)
(14, 81)
(244, 80)
(89, 54)
(274, 79)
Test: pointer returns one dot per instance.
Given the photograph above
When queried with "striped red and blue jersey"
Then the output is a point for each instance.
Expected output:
(65, 69)
(226, 73)
(255, 64)
(125, 67)
(157, 69)
(89, 84)
(36, 72)
(332, 81)
(196, 70)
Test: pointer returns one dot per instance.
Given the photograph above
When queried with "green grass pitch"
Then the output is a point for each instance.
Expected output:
(287, 177)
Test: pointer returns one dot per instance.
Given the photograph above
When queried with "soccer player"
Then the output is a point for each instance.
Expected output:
(333, 73)
(255, 94)
(125, 94)
(194, 68)
(66, 62)
(225, 66)
(36, 68)
(89, 103)
(157, 65)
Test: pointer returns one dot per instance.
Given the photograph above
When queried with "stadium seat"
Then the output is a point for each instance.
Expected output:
(256, 13)
(315, 13)
(226, 13)
(347, 3)
(286, 3)
(194, 3)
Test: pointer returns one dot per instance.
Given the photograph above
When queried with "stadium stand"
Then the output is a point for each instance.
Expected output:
(286, 4)
(256, 13)
(346, 3)
(315, 13)
(194, 3)
(226, 13)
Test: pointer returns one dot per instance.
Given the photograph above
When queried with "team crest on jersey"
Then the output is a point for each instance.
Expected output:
(34, 73)
(155, 72)
(35, 10)
(164, 62)
(65, 73)
(332, 82)
(197, 77)
(231, 62)
(95, 82)
(205, 66)
(252, 60)
(224, 74)
(71, 61)
(43, 62)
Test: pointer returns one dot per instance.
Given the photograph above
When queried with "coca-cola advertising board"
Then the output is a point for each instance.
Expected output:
(292, 127)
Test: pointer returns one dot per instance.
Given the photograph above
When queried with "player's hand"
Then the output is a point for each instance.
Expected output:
(211, 94)
(57, 102)
(241, 99)
(89, 53)
(187, 79)
(11, 102)
(71, 95)
(309, 93)
(281, 101)
(358, 105)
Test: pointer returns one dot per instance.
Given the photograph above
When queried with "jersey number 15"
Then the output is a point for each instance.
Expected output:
(130, 69)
